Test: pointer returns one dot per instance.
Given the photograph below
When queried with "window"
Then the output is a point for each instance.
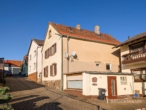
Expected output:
(51, 51)
(50, 34)
(34, 65)
(46, 71)
(97, 64)
(123, 80)
(137, 77)
(108, 66)
(53, 69)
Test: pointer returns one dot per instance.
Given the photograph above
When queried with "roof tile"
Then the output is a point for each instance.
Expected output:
(85, 34)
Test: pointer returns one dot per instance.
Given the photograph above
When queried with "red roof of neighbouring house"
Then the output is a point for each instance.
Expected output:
(13, 62)
(85, 34)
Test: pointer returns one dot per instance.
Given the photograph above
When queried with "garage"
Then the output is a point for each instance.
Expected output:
(74, 81)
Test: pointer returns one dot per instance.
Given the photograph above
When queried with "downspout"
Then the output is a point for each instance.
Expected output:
(67, 59)
(37, 61)
(61, 84)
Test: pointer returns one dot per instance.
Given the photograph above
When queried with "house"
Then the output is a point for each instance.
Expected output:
(35, 60)
(133, 60)
(87, 84)
(24, 66)
(12, 65)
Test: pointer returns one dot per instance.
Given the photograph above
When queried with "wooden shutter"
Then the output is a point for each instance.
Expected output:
(55, 69)
(45, 54)
(50, 70)
(55, 48)
(48, 53)
(47, 71)
(44, 72)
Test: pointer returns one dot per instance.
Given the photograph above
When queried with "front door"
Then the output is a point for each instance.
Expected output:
(112, 87)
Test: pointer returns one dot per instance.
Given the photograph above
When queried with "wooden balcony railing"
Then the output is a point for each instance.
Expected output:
(134, 57)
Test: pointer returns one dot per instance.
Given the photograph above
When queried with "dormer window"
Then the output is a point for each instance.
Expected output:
(50, 34)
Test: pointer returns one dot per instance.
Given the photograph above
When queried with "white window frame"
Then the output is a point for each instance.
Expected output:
(110, 65)
(123, 80)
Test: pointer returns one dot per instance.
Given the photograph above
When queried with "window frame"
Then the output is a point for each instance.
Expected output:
(53, 69)
(123, 80)
(50, 34)
(46, 72)
(110, 66)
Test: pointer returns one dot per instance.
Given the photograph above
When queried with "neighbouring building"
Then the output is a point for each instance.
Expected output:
(35, 60)
(133, 60)
(24, 66)
(13, 66)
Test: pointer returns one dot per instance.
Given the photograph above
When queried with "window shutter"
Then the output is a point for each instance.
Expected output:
(44, 72)
(47, 71)
(50, 70)
(55, 69)
(45, 54)
(55, 48)
(48, 53)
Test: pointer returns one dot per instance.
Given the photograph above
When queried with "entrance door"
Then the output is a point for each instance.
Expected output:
(112, 87)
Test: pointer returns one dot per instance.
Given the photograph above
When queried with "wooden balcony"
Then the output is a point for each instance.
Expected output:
(134, 57)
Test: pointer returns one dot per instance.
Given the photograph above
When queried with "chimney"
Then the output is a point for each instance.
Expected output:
(97, 29)
(78, 26)
(128, 37)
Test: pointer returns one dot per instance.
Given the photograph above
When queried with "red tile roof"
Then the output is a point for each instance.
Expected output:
(13, 62)
(85, 34)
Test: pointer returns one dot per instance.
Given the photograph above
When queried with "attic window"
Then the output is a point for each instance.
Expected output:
(50, 34)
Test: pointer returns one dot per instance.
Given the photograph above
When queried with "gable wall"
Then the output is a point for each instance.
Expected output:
(89, 52)
(56, 58)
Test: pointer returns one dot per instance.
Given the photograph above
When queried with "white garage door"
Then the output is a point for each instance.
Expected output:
(75, 84)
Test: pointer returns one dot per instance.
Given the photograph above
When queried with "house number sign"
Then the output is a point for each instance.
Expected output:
(94, 81)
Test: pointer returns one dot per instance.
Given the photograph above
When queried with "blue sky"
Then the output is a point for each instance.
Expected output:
(22, 20)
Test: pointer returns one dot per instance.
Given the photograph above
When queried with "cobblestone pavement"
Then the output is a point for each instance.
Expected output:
(28, 95)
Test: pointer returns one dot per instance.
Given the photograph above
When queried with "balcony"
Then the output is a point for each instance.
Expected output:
(134, 57)
(140, 78)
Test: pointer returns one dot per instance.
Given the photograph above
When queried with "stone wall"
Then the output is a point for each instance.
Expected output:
(55, 84)
(33, 76)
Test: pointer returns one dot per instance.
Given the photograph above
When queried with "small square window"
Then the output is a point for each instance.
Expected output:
(123, 80)
(108, 66)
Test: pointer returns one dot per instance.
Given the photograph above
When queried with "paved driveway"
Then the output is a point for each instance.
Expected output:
(28, 95)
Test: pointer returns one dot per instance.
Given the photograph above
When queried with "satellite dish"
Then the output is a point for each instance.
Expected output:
(66, 55)
(73, 53)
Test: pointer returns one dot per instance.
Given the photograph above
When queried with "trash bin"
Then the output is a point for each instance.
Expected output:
(101, 94)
